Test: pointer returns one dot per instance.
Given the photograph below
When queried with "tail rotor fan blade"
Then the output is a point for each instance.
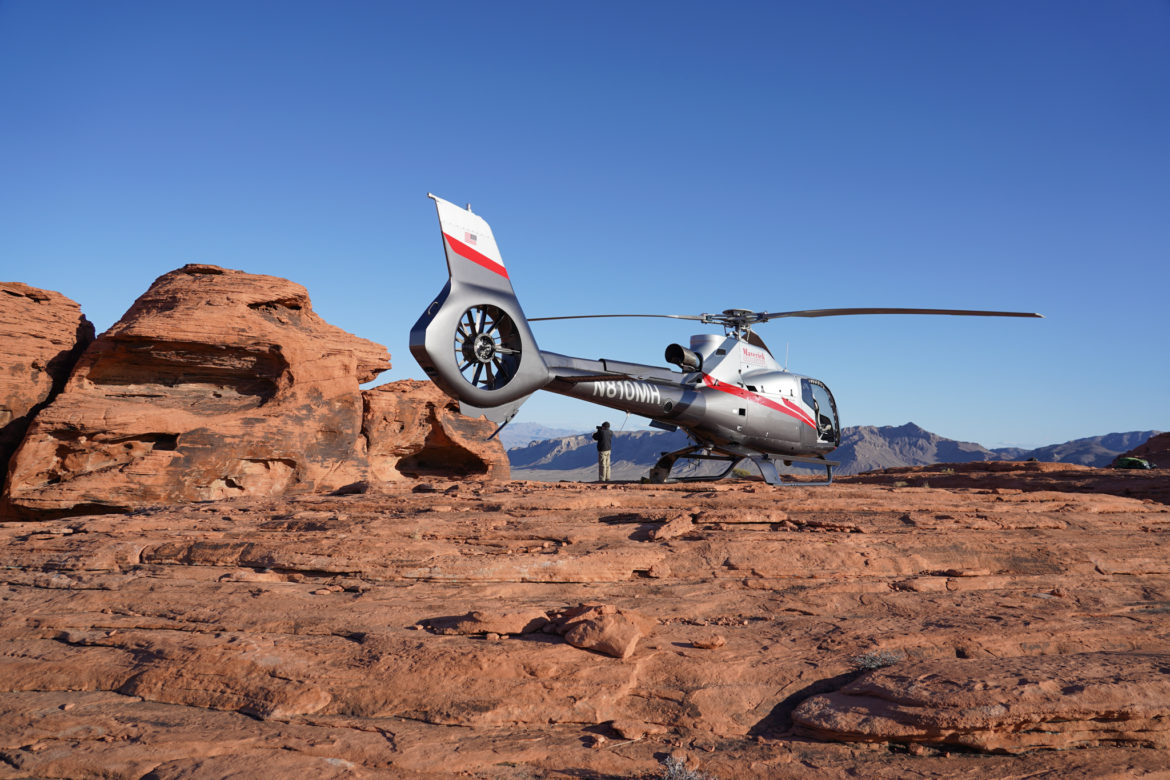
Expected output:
(488, 347)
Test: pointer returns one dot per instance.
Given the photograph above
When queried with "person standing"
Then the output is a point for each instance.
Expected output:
(604, 439)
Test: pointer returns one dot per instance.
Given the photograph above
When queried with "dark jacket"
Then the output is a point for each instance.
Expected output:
(604, 439)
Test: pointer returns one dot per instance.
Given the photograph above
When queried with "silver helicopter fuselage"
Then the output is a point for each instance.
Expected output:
(738, 399)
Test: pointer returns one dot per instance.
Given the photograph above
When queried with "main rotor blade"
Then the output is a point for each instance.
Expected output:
(765, 316)
(596, 316)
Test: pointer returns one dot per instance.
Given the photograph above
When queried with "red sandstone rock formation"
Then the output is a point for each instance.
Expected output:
(219, 383)
(43, 333)
(416, 430)
(215, 383)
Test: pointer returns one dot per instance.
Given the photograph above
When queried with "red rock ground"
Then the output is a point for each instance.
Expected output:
(998, 623)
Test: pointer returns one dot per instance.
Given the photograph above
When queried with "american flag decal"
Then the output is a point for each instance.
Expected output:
(469, 238)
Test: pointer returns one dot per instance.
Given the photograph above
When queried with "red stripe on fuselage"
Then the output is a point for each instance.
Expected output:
(799, 412)
(463, 250)
(789, 408)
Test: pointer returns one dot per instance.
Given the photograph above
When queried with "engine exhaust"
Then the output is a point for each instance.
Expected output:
(684, 358)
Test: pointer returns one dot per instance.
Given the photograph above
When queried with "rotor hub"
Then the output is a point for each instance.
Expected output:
(482, 348)
(739, 314)
(735, 321)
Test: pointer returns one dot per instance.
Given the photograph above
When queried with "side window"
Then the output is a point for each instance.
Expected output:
(806, 393)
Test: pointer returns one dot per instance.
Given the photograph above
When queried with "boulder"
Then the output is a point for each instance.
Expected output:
(676, 524)
(415, 430)
(43, 333)
(603, 628)
(216, 383)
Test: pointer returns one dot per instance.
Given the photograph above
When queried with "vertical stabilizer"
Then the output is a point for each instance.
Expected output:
(473, 340)
(472, 254)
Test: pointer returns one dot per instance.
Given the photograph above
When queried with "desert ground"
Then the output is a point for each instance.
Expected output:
(994, 620)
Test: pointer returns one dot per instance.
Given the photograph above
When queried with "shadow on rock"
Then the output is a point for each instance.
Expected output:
(779, 720)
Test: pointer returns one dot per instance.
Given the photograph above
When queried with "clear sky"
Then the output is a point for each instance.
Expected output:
(674, 157)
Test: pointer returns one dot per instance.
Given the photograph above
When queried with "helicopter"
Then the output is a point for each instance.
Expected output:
(729, 395)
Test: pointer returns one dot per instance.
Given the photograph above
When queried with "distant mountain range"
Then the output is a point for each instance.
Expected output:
(575, 457)
(519, 434)
(866, 447)
(863, 448)
(1095, 451)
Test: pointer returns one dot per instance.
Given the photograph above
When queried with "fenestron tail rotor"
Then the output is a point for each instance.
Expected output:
(488, 347)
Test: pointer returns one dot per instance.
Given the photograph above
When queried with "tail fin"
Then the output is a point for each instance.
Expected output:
(473, 340)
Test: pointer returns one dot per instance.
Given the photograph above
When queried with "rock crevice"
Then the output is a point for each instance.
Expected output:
(44, 333)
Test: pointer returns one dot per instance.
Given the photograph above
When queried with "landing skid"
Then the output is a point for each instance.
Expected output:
(767, 466)
(661, 471)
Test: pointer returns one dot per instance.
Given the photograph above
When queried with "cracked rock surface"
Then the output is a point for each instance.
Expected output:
(423, 631)
(43, 334)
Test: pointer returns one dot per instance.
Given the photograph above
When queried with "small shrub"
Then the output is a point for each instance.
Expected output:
(674, 769)
(878, 659)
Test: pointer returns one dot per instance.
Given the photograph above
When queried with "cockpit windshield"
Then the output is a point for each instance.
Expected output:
(816, 395)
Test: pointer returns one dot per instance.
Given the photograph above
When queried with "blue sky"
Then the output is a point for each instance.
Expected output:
(676, 157)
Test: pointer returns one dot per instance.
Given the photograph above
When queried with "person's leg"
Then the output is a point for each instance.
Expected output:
(605, 466)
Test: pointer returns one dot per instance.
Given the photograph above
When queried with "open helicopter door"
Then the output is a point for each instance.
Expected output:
(473, 341)
(816, 396)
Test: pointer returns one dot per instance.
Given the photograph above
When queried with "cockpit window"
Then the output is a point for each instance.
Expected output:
(806, 393)
(816, 395)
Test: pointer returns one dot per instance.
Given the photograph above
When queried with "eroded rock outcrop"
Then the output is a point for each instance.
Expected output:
(416, 430)
(1007, 705)
(215, 383)
(43, 334)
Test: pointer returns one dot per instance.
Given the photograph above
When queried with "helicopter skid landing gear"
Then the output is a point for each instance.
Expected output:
(660, 473)
(768, 471)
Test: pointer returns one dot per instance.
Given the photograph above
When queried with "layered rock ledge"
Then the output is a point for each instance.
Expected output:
(1009, 705)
